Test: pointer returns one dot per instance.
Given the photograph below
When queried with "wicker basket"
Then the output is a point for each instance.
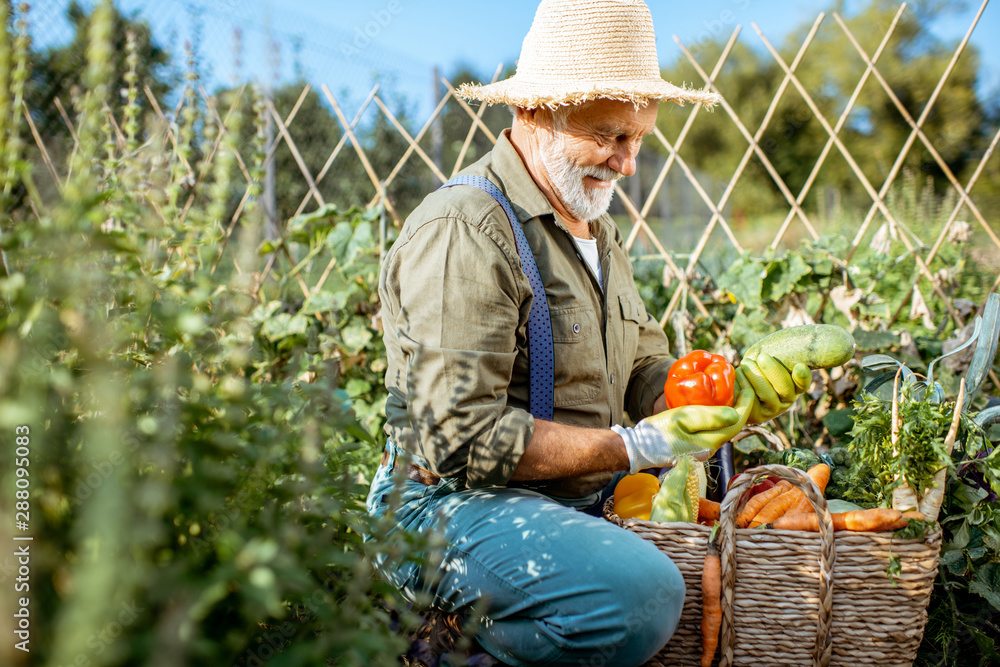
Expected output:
(798, 598)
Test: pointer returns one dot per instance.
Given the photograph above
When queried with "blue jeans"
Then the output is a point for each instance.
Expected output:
(560, 587)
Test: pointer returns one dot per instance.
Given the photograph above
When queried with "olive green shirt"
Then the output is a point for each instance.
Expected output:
(455, 305)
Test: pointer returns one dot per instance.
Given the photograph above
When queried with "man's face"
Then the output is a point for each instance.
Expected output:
(595, 146)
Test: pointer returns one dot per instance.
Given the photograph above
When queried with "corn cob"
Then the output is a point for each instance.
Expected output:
(694, 487)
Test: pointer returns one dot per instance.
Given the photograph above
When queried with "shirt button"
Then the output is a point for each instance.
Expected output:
(576, 328)
(612, 378)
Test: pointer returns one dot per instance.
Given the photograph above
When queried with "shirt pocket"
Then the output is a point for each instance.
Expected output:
(579, 355)
(633, 314)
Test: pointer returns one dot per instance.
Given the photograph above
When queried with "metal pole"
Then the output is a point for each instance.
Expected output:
(437, 131)
(269, 199)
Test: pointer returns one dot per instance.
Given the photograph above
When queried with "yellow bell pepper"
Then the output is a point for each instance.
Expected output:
(634, 496)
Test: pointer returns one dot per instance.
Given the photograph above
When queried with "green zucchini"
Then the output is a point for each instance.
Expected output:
(815, 345)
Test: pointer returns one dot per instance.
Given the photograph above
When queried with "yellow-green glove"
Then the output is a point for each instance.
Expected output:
(694, 430)
(775, 388)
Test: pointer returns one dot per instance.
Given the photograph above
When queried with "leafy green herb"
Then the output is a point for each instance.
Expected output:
(922, 452)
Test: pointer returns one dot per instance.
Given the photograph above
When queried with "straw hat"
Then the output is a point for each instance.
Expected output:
(581, 50)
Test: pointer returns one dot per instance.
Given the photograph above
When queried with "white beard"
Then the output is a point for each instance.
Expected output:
(586, 204)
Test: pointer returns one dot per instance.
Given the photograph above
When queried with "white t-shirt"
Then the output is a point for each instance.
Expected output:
(588, 249)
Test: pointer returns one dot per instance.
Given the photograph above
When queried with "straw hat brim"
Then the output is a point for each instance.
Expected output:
(527, 95)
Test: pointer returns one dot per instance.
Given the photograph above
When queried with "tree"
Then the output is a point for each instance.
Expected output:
(57, 72)
(875, 132)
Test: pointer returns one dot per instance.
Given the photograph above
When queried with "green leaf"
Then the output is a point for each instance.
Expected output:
(362, 242)
(322, 302)
(284, 325)
(961, 537)
(357, 387)
(328, 210)
(338, 239)
(309, 227)
(264, 311)
(751, 444)
(356, 336)
(782, 277)
(268, 246)
(986, 583)
(839, 422)
(875, 341)
(12, 285)
(955, 562)
(359, 433)
(967, 497)
(744, 280)
(987, 645)
(874, 308)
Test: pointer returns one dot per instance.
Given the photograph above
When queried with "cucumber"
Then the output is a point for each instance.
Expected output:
(815, 345)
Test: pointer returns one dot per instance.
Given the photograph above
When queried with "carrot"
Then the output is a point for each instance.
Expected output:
(708, 509)
(776, 507)
(759, 501)
(820, 475)
(874, 520)
(711, 604)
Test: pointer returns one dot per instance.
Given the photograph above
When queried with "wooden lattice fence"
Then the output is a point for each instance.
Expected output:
(350, 147)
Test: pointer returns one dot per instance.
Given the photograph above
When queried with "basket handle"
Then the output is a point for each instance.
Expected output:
(731, 507)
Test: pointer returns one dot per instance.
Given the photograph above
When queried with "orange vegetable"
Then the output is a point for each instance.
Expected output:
(820, 475)
(711, 604)
(776, 507)
(874, 520)
(634, 496)
(700, 378)
(756, 503)
(708, 510)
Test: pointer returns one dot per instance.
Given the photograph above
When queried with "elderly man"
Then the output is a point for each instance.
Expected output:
(517, 343)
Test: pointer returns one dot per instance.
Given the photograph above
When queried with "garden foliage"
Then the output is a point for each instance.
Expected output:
(873, 296)
(202, 408)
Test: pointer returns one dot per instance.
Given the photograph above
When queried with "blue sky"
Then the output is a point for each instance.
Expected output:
(345, 43)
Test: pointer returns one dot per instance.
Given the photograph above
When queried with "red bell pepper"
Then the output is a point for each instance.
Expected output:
(700, 378)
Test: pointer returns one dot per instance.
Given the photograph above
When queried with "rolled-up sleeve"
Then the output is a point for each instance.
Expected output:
(649, 370)
(456, 325)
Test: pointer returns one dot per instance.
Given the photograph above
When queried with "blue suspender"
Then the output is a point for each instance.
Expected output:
(540, 355)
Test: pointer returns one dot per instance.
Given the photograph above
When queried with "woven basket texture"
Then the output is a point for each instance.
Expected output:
(777, 602)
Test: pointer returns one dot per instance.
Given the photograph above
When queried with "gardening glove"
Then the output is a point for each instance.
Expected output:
(695, 430)
(774, 387)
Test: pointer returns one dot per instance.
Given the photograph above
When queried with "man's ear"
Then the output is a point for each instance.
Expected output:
(532, 120)
(525, 116)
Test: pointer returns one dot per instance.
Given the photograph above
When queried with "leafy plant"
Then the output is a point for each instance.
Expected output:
(196, 432)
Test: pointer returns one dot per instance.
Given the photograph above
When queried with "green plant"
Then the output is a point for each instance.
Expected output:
(194, 488)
